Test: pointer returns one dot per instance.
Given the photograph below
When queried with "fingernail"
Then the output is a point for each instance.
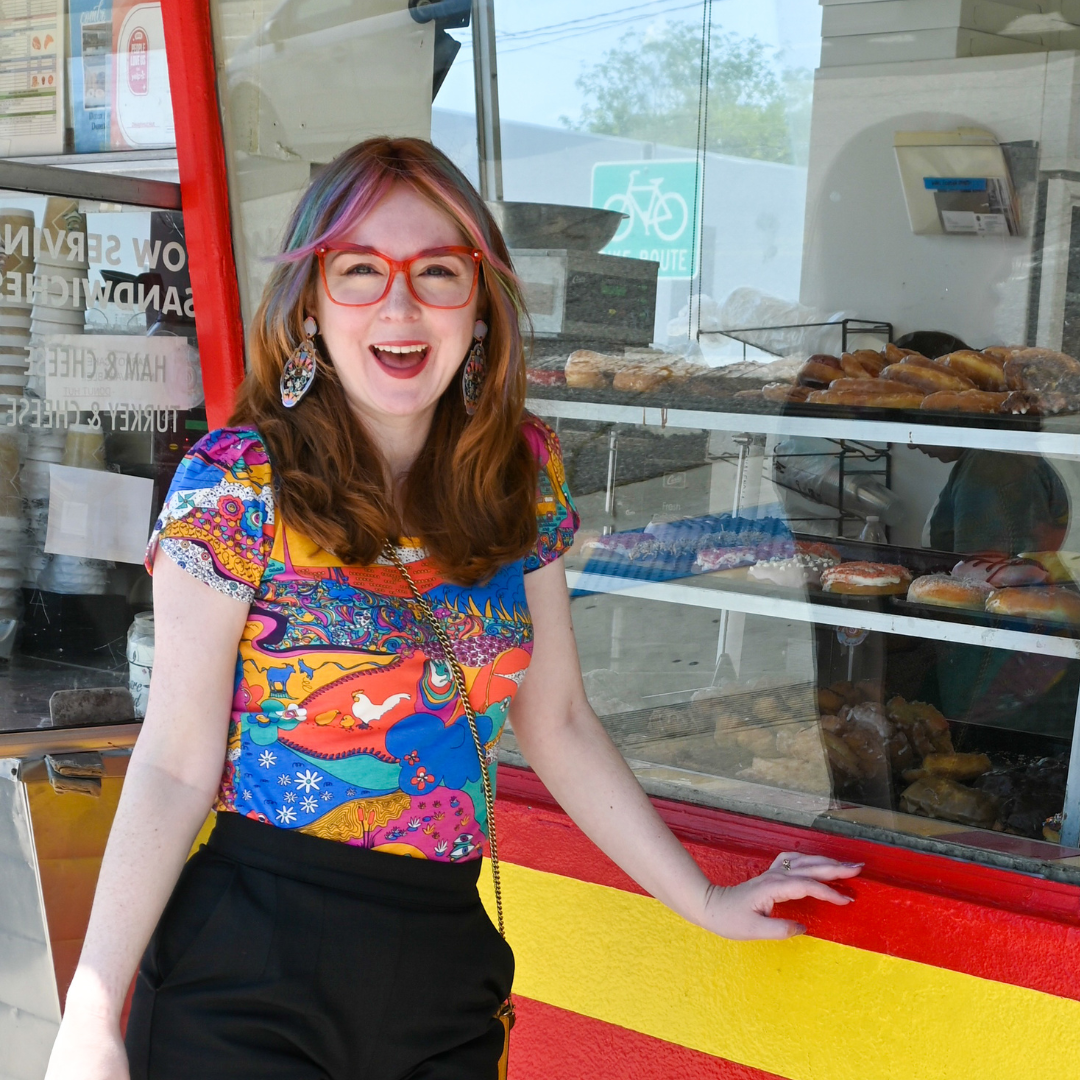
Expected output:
(856, 865)
(800, 929)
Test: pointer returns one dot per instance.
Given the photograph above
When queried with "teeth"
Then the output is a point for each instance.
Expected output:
(401, 348)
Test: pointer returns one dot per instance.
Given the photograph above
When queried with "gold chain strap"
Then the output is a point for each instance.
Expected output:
(459, 683)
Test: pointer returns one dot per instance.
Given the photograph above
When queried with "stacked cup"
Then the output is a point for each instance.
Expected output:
(44, 447)
(84, 448)
(14, 304)
(61, 268)
(12, 527)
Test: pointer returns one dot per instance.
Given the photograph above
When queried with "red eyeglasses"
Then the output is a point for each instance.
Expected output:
(441, 278)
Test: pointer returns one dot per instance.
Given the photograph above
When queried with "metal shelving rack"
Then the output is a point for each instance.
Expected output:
(707, 593)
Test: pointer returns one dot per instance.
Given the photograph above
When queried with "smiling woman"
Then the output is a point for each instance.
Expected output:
(396, 257)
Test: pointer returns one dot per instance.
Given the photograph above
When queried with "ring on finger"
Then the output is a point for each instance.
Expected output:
(786, 864)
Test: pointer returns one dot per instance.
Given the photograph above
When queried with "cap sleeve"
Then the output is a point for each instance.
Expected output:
(218, 519)
(556, 516)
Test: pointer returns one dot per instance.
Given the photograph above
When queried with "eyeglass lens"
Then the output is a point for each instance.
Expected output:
(443, 280)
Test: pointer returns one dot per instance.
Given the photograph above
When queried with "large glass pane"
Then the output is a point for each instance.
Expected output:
(100, 397)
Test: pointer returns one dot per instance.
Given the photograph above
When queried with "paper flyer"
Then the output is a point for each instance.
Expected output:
(31, 77)
(90, 74)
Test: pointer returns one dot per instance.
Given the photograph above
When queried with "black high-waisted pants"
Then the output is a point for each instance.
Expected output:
(282, 956)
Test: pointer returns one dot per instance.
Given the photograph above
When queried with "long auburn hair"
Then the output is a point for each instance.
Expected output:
(470, 495)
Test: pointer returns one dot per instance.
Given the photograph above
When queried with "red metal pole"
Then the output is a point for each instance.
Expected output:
(200, 151)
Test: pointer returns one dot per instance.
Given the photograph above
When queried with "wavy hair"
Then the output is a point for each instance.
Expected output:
(470, 495)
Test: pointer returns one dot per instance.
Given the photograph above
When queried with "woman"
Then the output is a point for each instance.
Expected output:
(384, 402)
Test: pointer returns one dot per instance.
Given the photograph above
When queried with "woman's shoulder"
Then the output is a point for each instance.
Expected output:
(225, 458)
(541, 439)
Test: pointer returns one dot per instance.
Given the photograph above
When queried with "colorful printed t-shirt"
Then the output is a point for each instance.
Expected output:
(345, 723)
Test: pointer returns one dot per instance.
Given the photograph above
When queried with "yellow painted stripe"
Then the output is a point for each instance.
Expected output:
(805, 1009)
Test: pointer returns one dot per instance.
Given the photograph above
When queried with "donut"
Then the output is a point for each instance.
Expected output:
(867, 579)
(1061, 566)
(544, 377)
(785, 393)
(799, 570)
(1042, 371)
(986, 372)
(927, 378)
(945, 591)
(1052, 603)
(855, 368)
(973, 401)
(879, 394)
(1000, 572)
(820, 370)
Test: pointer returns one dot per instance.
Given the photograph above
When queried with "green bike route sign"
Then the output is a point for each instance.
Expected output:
(658, 200)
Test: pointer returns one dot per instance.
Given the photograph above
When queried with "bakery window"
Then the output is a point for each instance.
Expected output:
(810, 347)
(100, 397)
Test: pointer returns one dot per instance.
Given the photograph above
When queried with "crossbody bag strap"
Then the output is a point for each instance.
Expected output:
(459, 684)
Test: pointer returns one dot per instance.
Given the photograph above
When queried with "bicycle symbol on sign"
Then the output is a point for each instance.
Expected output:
(665, 213)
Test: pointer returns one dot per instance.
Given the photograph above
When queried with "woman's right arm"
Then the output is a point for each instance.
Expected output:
(171, 782)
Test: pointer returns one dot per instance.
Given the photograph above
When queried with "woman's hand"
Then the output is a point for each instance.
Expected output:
(88, 1047)
(745, 912)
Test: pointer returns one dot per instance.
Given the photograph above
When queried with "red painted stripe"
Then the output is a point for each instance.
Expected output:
(549, 1043)
(204, 189)
(912, 905)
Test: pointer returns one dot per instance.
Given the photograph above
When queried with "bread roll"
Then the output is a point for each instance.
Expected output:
(927, 378)
(641, 378)
(1049, 603)
(986, 372)
(970, 401)
(945, 591)
(588, 370)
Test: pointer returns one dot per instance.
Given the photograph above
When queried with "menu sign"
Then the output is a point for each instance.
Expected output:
(104, 373)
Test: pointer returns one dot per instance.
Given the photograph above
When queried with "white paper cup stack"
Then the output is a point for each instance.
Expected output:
(84, 448)
(61, 262)
(15, 313)
(44, 447)
(12, 527)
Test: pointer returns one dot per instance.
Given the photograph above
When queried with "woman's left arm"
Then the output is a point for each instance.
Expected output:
(565, 744)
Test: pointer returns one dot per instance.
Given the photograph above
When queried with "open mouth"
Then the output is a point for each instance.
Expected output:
(403, 359)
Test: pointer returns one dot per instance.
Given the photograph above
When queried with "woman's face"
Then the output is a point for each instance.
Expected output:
(396, 357)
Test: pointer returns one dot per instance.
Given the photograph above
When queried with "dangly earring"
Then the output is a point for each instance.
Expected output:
(299, 371)
(472, 377)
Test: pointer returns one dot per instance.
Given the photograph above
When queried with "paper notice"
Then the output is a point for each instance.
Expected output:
(31, 77)
(95, 514)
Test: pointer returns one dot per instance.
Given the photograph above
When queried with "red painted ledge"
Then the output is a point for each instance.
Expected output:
(759, 839)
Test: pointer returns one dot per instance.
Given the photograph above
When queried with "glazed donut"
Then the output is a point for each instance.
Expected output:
(893, 354)
(1001, 353)
(855, 368)
(974, 401)
(946, 591)
(785, 393)
(986, 372)
(928, 378)
(819, 370)
(881, 397)
(1052, 603)
(867, 579)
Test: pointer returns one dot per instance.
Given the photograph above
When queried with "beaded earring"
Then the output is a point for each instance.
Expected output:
(475, 370)
(299, 371)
